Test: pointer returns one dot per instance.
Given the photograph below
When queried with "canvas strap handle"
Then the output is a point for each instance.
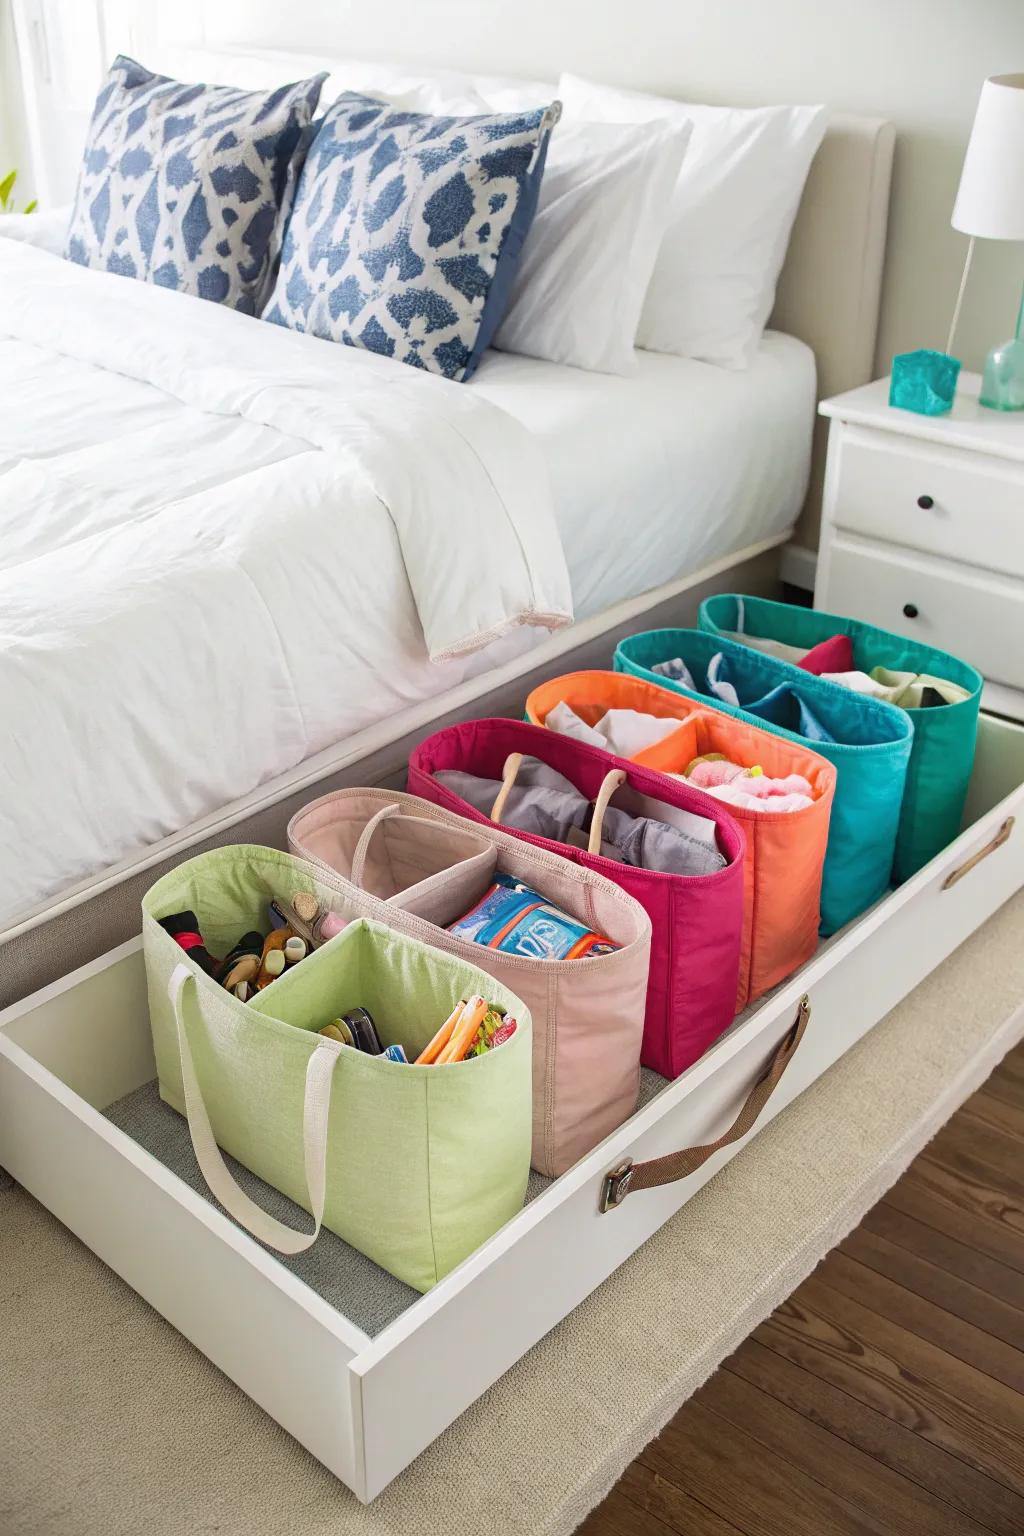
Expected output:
(990, 847)
(613, 780)
(629, 1176)
(316, 1105)
(509, 774)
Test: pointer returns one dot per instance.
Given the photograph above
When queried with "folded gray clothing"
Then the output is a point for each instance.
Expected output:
(648, 843)
(546, 804)
(541, 801)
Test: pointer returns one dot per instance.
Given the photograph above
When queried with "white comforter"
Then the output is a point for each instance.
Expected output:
(223, 547)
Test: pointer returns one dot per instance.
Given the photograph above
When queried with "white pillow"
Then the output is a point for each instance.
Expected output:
(733, 207)
(588, 258)
(47, 229)
(585, 267)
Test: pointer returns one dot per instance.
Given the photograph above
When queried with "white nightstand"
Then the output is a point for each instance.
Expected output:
(923, 529)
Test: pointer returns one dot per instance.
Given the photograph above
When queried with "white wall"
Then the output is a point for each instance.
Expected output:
(918, 62)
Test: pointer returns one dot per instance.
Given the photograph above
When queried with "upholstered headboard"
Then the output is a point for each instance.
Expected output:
(831, 283)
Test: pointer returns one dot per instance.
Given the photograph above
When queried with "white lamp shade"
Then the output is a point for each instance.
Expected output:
(990, 202)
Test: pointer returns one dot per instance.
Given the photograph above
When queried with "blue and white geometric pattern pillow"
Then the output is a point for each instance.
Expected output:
(190, 186)
(406, 230)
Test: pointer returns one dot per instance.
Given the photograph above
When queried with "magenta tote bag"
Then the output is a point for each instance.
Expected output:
(697, 920)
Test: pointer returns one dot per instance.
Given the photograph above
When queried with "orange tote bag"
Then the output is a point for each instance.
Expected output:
(785, 850)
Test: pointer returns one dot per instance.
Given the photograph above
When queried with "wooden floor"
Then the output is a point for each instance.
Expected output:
(887, 1394)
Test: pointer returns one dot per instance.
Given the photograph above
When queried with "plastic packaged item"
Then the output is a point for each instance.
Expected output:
(513, 917)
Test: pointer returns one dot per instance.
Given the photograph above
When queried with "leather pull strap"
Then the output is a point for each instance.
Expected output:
(629, 1176)
(997, 842)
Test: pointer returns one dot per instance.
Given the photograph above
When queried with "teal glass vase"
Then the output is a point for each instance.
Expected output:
(923, 381)
(1002, 383)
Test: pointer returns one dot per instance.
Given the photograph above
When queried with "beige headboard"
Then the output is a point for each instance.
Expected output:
(831, 284)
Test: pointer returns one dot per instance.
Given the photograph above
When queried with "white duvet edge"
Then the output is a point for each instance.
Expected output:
(135, 328)
(480, 639)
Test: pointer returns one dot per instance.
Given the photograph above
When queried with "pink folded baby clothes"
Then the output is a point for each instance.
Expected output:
(748, 787)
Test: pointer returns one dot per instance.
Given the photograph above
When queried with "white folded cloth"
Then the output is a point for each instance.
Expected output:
(622, 731)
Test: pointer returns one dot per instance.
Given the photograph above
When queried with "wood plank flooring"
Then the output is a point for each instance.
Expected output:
(886, 1396)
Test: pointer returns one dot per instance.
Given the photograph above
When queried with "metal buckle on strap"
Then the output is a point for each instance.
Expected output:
(616, 1185)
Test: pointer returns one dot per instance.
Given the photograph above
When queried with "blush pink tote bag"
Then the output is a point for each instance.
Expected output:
(419, 868)
(696, 920)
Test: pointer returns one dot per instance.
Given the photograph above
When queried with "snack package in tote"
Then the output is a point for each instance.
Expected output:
(513, 917)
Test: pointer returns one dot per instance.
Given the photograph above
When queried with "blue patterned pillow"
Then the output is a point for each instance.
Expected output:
(190, 186)
(407, 228)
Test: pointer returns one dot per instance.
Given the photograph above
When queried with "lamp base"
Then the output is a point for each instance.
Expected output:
(1002, 383)
(924, 382)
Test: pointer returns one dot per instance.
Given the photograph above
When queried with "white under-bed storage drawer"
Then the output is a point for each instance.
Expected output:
(362, 1371)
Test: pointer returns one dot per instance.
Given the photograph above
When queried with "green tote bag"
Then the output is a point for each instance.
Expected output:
(942, 753)
(414, 1166)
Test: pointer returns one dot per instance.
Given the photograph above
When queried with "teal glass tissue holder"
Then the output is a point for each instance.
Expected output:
(923, 381)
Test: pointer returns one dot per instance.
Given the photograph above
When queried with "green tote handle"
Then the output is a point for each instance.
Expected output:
(222, 1184)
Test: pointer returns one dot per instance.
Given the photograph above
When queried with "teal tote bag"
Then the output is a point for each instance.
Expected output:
(867, 742)
(942, 755)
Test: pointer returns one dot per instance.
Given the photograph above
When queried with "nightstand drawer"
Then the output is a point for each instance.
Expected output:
(962, 506)
(975, 616)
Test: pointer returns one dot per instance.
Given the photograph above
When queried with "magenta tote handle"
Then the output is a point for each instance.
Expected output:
(614, 779)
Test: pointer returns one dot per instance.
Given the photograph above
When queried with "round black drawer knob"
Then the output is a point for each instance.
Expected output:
(926, 503)
(910, 610)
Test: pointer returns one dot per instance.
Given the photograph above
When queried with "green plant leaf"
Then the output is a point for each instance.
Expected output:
(32, 206)
(6, 188)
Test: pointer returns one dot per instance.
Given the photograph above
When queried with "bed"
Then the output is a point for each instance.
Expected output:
(660, 475)
(619, 501)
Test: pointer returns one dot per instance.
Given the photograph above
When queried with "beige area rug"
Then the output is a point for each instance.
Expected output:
(112, 1425)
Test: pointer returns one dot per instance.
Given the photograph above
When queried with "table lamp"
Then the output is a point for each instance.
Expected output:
(989, 206)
